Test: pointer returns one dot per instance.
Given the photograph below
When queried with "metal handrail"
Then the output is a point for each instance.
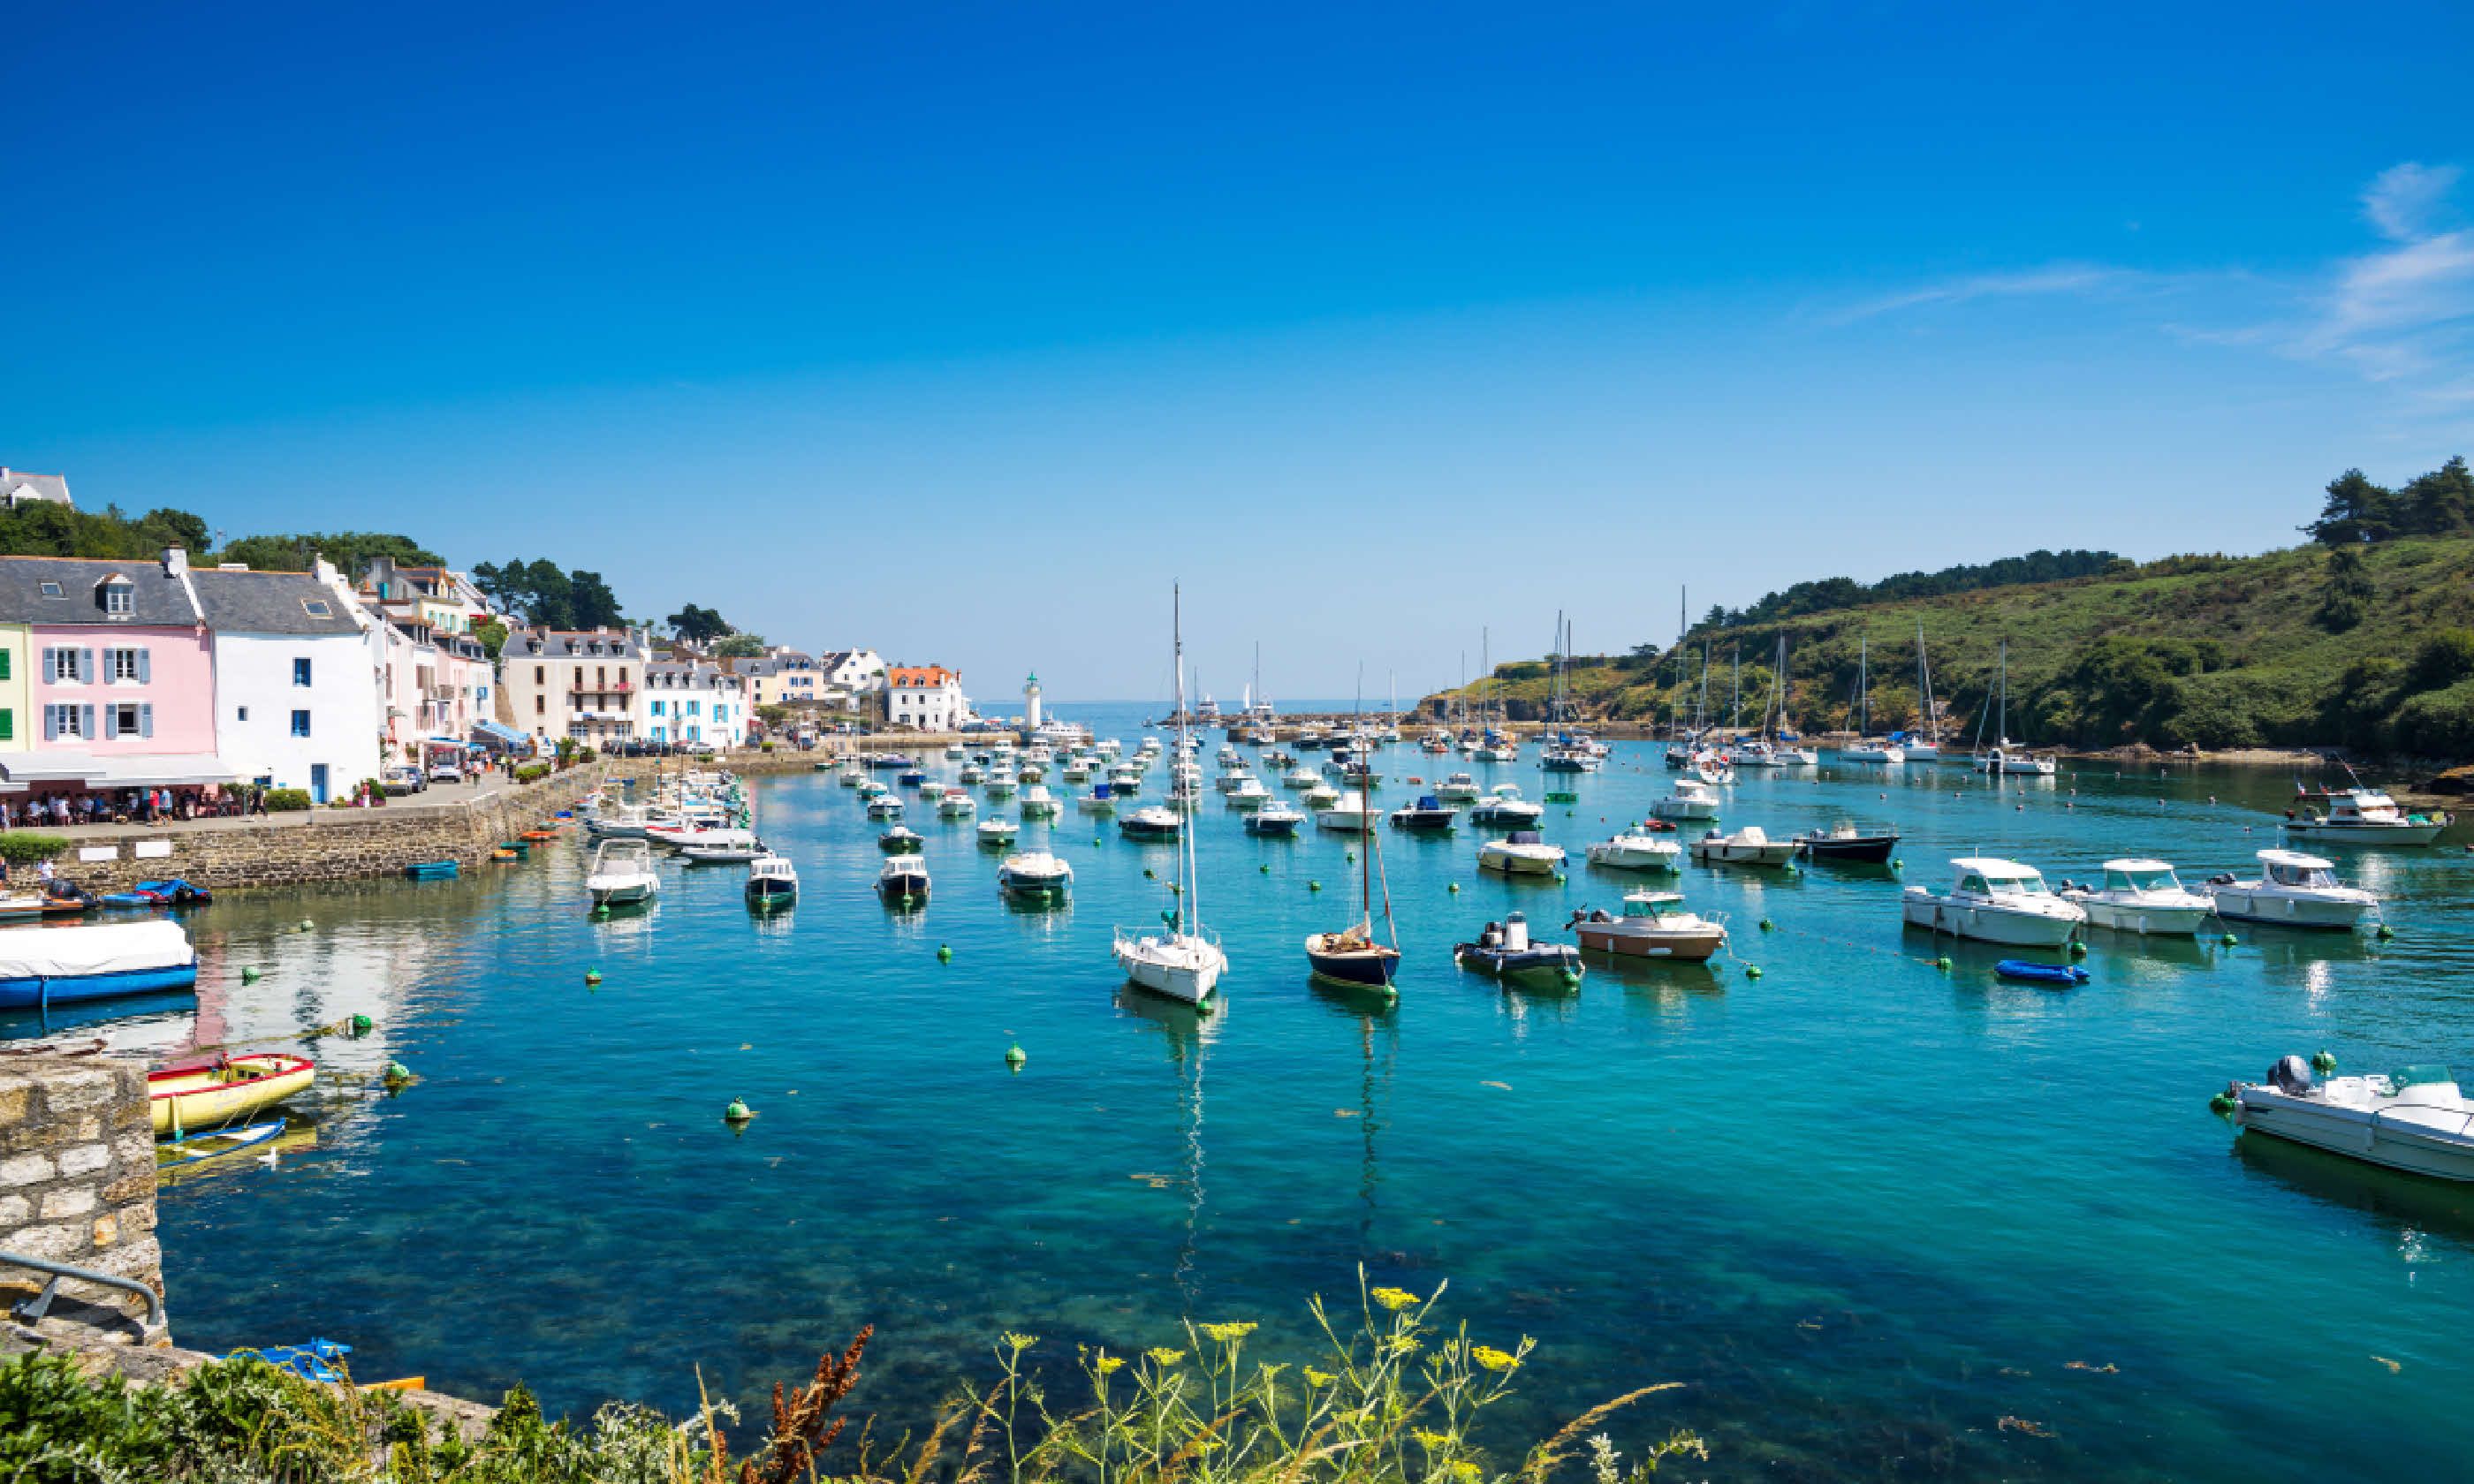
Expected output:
(31, 1309)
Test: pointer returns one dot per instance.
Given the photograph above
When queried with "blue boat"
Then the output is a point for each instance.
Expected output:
(311, 1362)
(42, 966)
(148, 894)
(2041, 973)
(431, 870)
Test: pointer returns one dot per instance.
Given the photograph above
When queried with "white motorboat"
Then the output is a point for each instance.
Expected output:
(956, 806)
(1249, 794)
(617, 822)
(1995, 901)
(903, 881)
(853, 774)
(973, 774)
(1078, 770)
(1034, 873)
(1522, 853)
(1151, 822)
(1459, 788)
(1301, 776)
(953, 751)
(1639, 850)
(2140, 895)
(1691, 800)
(2363, 816)
(1274, 818)
(885, 806)
(1873, 752)
(727, 852)
(2293, 890)
(623, 872)
(999, 785)
(1038, 803)
(998, 832)
(681, 839)
(1654, 925)
(1101, 799)
(1321, 796)
(2413, 1118)
(772, 881)
(1749, 846)
(1504, 805)
(1234, 779)
(1350, 816)
(2008, 759)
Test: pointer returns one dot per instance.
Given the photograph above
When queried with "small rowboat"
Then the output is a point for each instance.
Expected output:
(503, 853)
(431, 870)
(541, 834)
(517, 846)
(206, 1146)
(225, 1091)
(2041, 973)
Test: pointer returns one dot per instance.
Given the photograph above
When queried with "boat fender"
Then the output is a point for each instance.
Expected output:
(2323, 1061)
(593, 976)
(1015, 1057)
(250, 974)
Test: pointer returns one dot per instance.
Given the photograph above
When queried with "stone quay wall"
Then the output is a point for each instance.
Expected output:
(77, 1186)
(322, 845)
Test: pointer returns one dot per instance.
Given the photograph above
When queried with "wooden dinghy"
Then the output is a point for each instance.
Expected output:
(225, 1091)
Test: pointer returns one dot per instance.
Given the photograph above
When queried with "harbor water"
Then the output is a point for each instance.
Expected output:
(1879, 1218)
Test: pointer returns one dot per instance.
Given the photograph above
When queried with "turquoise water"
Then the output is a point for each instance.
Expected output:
(1862, 1209)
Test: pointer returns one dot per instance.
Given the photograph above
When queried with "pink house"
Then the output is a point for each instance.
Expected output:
(120, 675)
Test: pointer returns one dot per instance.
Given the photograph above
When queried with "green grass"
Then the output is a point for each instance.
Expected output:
(2214, 651)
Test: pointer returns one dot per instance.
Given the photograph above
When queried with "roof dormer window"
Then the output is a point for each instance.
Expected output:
(118, 596)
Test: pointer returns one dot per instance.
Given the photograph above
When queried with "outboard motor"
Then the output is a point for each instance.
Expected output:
(1515, 933)
(1492, 937)
(2290, 1076)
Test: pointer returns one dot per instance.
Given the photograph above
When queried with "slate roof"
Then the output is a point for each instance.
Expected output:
(17, 484)
(570, 644)
(157, 600)
(270, 603)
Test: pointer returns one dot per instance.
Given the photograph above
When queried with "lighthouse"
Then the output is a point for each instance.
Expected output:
(1031, 700)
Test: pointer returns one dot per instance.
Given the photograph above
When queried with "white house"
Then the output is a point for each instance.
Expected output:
(587, 685)
(17, 486)
(694, 704)
(856, 671)
(293, 705)
(927, 697)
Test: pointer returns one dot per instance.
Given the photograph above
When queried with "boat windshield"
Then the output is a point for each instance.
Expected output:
(2160, 880)
(1653, 907)
(2029, 884)
(2285, 873)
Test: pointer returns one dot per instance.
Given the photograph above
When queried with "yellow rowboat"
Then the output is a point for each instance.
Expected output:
(226, 1091)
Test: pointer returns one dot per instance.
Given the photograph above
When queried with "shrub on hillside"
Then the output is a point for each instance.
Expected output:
(281, 801)
(2444, 658)
(2437, 723)
(24, 847)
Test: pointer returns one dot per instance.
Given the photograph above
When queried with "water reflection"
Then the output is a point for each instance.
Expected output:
(2404, 1201)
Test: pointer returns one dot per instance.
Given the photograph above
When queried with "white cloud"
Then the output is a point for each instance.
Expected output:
(2402, 198)
(2055, 279)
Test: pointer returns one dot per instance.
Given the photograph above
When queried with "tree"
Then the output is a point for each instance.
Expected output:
(166, 527)
(349, 550)
(493, 637)
(2356, 510)
(2346, 595)
(2439, 503)
(547, 598)
(591, 603)
(698, 625)
(740, 646)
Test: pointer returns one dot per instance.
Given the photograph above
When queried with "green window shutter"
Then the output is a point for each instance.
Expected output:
(7, 720)
(4, 664)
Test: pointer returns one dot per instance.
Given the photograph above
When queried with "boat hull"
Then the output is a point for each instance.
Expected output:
(1625, 857)
(205, 1098)
(2154, 921)
(1539, 966)
(1692, 946)
(2357, 1134)
(1728, 852)
(1988, 925)
(2364, 834)
(1366, 967)
(2246, 905)
(34, 992)
(1864, 849)
(1189, 979)
(1514, 864)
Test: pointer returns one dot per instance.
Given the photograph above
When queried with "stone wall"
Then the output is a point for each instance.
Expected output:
(77, 1185)
(325, 844)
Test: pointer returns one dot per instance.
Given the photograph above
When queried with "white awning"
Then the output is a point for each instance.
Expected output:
(112, 770)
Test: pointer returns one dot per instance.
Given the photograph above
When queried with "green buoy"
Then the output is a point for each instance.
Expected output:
(593, 976)
(1314, 886)
(1149, 875)
(2079, 949)
(306, 925)
(2229, 939)
(1176, 889)
(944, 954)
(250, 974)
(1454, 888)
(359, 1026)
(737, 1111)
(2385, 933)
(396, 1074)
(2323, 1061)
(2223, 1103)
(1942, 963)
(1015, 1057)
(1265, 868)
(1767, 925)
(1752, 971)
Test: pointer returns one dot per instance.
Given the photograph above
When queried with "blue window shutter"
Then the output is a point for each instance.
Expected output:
(145, 667)
(51, 723)
(145, 718)
(86, 719)
(85, 666)
(110, 722)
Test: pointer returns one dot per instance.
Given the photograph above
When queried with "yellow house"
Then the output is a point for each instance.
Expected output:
(15, 729)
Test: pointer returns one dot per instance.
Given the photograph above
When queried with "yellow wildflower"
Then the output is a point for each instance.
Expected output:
(1495, 1359)
(1109, 1365)
(1464, 1470)
(1019, 1342)
(1164, 1356)
(1315, 1378)
(1432, 1441)
(1394, 1299)
(1228, 1333)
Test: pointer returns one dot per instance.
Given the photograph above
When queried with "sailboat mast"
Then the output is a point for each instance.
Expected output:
(1736, 692)
(1863, 688)
(1923, 682)
(2001, 721)
(1189, 903)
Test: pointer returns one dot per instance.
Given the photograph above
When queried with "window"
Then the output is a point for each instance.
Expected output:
(301, 671)
(128, 664)
(243, 713)
(64, 721)
(52, 590)
(537, 675)
(4, 662)
(299, 724)
(119, 599)
(541, 704)
(316, 607)
(62, 667)
(122, 720)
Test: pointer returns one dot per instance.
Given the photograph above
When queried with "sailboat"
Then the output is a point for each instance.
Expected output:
(2005, 757)
(1774, 750)
(1352, 956)
(1929, 746)
(1185, 962)
(1864, 749)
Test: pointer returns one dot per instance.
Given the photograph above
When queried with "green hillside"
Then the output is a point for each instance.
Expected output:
(2369, 646)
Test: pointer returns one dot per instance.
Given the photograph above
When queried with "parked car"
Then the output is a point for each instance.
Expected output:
(446, 773)
(402, 779)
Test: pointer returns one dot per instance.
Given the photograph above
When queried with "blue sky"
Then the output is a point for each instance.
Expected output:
(960, 332)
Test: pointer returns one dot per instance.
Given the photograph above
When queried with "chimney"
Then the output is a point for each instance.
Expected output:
(176, 560)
